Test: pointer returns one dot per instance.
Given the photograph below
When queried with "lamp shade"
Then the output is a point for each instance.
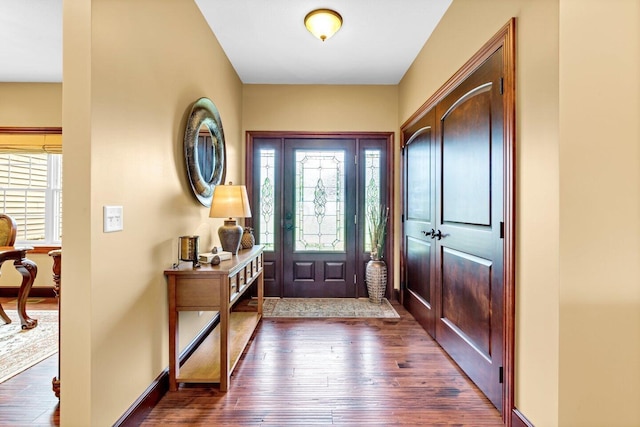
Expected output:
(230, 201)
(323, 23)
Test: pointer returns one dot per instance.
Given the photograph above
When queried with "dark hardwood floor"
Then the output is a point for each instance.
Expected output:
(298, 372)
(27, 398)
(348, 372)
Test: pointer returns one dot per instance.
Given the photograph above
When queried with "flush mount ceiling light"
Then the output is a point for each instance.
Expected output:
(323, 23)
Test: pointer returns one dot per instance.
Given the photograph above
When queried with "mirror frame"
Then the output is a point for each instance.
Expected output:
(204, 112)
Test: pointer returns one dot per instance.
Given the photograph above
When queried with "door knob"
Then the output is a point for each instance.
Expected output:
(431, 233)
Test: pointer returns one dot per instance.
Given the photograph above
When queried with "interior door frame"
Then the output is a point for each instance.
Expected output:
(388, 168)
(504, 38)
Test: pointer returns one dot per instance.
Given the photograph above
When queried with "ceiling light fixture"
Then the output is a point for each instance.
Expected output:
(323, 23)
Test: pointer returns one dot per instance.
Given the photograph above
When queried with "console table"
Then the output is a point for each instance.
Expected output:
(28, 269)
(208, 288)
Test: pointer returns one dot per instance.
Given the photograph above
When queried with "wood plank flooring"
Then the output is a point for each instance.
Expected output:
(301, 372)
(27, 398)
(348, 372)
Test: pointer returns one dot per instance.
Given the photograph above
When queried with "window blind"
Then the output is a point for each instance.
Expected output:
(31, 183)
(30, 143)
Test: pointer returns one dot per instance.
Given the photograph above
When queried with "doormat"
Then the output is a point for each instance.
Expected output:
(328, 307)
(21, 349)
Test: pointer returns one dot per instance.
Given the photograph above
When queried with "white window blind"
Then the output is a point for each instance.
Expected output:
(31, 193)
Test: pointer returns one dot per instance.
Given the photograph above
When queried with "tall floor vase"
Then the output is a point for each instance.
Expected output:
(376, 276)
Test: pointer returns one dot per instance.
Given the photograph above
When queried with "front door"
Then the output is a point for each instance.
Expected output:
(309, 196)
(319, 211)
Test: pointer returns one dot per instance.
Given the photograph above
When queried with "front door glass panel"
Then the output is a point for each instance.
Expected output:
(319, 201)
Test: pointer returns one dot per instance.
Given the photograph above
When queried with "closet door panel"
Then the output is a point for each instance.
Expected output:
(467, 283)
(466, 160)
(468, 216)
(419, 181)
(419, 250)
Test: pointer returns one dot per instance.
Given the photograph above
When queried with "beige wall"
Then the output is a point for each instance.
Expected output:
(320, 108)
(126, 98)
(599, 213)
(466, 26)
(30, 105)
(131, 72)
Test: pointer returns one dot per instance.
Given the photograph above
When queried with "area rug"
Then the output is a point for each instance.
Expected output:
(328, 307)
(21, 349)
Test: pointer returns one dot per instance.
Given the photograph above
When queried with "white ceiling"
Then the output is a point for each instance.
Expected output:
(30, 40)
(265, 40)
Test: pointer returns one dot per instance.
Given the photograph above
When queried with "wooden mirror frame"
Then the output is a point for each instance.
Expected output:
(204, 113)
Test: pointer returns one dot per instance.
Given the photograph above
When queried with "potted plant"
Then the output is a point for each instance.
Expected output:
(376, 271)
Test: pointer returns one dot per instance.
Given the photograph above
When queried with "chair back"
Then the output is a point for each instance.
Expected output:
(8, 230)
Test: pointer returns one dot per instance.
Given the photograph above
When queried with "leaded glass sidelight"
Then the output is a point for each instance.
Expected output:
(372, 188)
(267, 203)
(319, 201)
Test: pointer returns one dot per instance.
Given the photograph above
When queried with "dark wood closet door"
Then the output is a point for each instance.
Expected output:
(470, 213)
(419, 225)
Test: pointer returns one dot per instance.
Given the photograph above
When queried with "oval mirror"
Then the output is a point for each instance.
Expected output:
(204, 150)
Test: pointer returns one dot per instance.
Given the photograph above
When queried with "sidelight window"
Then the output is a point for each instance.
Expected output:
(266, 200)
(372, 188)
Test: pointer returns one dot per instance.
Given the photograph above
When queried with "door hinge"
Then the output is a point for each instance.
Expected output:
(501, 230)
(355, 159)
(501, 375)
(355, 219)
(355, 279)
(501, 85)
(402, 218)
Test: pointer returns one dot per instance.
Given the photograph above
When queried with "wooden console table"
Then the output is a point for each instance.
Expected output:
(28, 269)
(208, 288)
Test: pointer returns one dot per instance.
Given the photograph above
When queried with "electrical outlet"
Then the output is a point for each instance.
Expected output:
(113, 220)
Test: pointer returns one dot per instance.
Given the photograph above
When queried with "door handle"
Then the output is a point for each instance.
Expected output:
(431, 233)
(288, 225)
(437, 234)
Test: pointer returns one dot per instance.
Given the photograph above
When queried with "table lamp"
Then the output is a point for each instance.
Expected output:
(230, 201)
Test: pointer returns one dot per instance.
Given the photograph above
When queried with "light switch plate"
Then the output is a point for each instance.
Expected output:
(112, 218)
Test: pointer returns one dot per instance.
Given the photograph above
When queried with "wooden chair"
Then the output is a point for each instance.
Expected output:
(27, 268)
(8, 231)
